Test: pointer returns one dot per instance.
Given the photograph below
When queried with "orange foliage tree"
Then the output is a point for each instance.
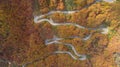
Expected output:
(44, 5)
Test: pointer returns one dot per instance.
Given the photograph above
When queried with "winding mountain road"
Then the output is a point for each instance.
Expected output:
(39, 19)
(56, 40)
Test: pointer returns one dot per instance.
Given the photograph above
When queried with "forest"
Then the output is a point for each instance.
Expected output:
(59, 33)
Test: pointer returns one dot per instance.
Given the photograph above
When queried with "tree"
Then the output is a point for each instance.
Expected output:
(69, 4)
(58, 17)
(80, 3)
(44, 5)
(53, 4)
(60, 5)
(90, 2)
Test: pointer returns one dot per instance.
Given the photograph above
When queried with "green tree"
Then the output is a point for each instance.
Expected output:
(69, 4)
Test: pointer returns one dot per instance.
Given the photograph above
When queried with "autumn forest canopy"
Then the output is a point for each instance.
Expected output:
(59, 33)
